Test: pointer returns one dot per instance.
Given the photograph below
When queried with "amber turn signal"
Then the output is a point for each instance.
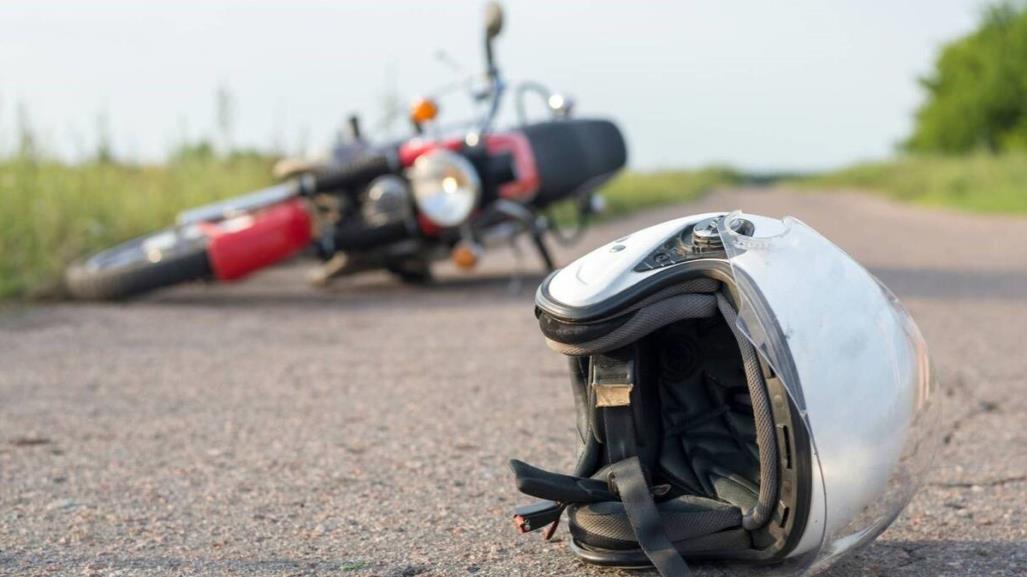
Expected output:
(423, 110)
(465, 255)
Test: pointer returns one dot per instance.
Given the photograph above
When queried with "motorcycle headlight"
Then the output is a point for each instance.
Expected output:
(446, 186)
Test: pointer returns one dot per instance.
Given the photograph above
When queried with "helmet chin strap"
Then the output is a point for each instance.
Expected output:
(635, 493)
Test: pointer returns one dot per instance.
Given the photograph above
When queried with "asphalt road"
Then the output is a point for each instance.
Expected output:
(269, 428)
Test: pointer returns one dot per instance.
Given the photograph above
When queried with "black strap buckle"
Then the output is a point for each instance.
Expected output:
(528, 518)
(612, 378)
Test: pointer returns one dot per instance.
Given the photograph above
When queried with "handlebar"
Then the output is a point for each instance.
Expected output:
(351, 175)
(494, 24)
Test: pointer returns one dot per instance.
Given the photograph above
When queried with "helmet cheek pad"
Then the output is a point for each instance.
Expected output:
(691, 444)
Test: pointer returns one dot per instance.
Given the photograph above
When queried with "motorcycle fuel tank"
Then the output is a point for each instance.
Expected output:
(241, 245)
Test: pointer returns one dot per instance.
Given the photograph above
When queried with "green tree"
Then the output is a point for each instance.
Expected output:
(977, 93)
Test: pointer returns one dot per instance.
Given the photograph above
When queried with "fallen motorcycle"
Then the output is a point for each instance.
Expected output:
(398, 207)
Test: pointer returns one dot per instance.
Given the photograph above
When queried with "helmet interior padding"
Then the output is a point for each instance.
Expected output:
(712, 445)
(708, 451)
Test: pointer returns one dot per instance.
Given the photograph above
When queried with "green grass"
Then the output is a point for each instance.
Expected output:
(637, 190)
(978, 183)
(52, 213)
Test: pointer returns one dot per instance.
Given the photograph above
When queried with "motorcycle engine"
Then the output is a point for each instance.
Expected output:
(387, 200)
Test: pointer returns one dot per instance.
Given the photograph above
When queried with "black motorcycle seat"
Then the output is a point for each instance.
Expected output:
(573, 154)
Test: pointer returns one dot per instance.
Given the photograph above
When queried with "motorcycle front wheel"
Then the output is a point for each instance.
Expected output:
(140, 265)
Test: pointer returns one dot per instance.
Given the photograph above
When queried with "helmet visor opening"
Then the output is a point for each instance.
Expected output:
(707, 432)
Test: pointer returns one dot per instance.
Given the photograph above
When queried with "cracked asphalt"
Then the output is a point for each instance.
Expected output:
(268, 428)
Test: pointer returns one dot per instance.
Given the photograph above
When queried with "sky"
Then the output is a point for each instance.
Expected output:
(799, 85)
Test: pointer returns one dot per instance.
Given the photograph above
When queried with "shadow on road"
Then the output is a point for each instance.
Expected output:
(375, 290)
(382, 290)
(941, 558)
(355, 293)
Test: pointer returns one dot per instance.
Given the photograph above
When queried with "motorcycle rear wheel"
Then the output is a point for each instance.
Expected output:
(140, 265)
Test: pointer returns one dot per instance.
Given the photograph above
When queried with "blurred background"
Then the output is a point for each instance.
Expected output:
(114, 115)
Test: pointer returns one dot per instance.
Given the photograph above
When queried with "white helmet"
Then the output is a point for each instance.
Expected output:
(745, 391)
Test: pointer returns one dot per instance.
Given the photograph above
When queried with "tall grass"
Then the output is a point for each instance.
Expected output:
(978, 183)
(52, 213)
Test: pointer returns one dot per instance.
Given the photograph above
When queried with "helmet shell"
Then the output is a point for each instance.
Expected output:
(849, 355)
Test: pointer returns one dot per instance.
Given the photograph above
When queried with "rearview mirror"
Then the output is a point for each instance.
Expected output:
(493, 19)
